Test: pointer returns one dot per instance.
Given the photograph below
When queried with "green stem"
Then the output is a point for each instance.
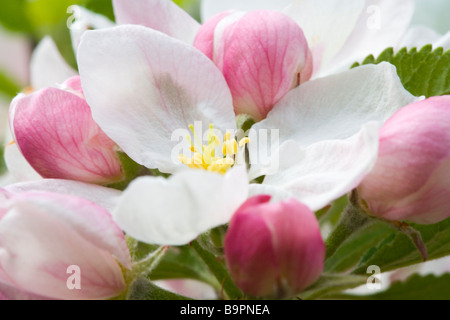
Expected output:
(146, 265)
(353, 219)
(412, 234)
(219, 271)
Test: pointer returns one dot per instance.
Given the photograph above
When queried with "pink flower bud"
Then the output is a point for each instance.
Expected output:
(274, 249)
(411, 178)
(262, 54)
(59, 247)
(56, 134)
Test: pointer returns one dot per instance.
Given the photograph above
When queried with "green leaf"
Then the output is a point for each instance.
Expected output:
(179, 263)
(423, 73)
(414, 288)
(351, 252)
(332, 283)
(144, 289)
(398, 251)
(219, 270)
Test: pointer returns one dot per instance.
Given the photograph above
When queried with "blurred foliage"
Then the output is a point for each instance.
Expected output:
(41, 17)
(416, 287)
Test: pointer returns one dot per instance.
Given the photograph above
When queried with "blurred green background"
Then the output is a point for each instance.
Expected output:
(31, 20)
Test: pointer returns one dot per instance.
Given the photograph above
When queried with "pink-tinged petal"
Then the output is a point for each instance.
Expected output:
(327, 24)
(73, 84)
(105, 197)
(143, 86)
(274, 249)
(204, 40)
(43, 234)
(11, 293)
(210, 8)
(48, 67)
(410, 178)
(263, 55)
(381, 25)
(429, 204)
(251, 263)
(55, 132)
(161, 15)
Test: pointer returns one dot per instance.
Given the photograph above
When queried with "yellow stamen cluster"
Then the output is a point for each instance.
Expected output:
(204, 157)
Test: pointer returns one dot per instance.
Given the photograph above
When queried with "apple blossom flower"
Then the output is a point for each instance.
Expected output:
(56, 134)
(44, 235)
(144, 86)
(410, 178)
(274, 250)
(273, 37)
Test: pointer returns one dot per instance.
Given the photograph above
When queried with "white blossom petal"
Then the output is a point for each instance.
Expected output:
(417, 37)
(144, 87)
(320, 120)
(331, 108)
(324, 171)
(327, 24)
(18, 166)
(161, 15)
(48, 67)
(381, 25)
(177, 210)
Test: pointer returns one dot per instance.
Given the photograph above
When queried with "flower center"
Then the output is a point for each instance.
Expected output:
(205, 157)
